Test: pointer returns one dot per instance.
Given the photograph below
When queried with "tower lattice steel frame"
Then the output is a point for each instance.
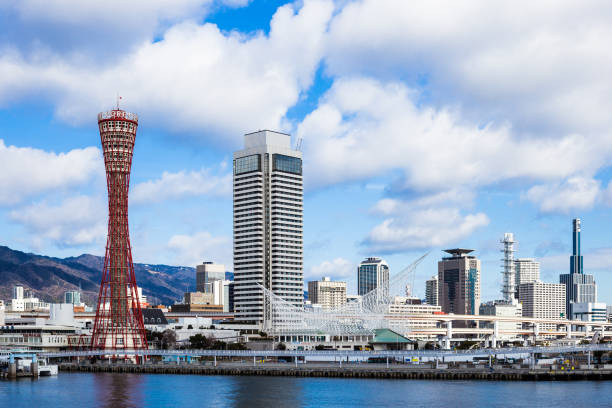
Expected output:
(118, 324)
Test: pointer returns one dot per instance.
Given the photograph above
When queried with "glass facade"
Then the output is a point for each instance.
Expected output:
(287, 164)
(247, 164)
(366, 278)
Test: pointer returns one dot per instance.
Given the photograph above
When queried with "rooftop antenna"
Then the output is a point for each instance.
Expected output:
(298, 144)
(118, 99)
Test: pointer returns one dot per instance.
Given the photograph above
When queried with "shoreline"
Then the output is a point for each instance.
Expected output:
(393, 372)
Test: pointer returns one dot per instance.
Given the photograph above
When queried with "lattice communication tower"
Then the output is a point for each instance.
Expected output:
(118, 324)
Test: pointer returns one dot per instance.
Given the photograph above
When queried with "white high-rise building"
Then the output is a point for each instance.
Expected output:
(508, 273)
(327, 293)
(222, 293)
(268, 237)
(545, 300)
(527, 270)
(18, 292)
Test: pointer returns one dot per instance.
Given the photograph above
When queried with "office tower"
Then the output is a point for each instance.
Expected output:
(459, 282)
(206, 274)
(543, 300)
(373, 273)
(118, 323)
(73, 297)
(431, 290)
(508, 272)
(579, 287)
(268, 237)
(327, 293)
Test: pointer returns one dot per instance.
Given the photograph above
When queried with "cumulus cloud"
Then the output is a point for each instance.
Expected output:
(337, 269)
(424, 229)
(598, 259)
(425, 222)
(182, 184)
(78, 220)
(27, 172)
(190, 250)
(364, 128)
(575, 193)
(95, 30)
(195, 78)
(515, 61)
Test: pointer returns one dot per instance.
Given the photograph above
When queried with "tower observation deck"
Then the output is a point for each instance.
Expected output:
(118, 324)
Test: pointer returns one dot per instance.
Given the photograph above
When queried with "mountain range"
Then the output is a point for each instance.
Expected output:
(48, 278)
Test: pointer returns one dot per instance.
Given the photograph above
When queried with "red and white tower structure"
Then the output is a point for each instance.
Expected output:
(118, 325)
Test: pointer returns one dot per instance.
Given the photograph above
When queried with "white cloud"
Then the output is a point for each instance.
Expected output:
(182, 184)
(452, 197)
(78, 220)
(190, 250)
(235, 3)
(94, 31)
(196, 78)
(27, 172)
(337, 269)
(515, 61)
(597, 259)
(425, 222)
(575, 193)
(424, 229)
(364, 128)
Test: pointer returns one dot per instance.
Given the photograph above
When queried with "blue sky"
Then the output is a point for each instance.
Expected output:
(425, 126)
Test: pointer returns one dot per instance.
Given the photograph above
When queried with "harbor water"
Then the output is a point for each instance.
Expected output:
(159, 390)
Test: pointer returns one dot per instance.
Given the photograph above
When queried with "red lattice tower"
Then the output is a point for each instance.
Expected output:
(118, 325)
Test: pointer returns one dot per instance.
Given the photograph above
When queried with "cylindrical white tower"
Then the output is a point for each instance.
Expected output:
(508, 273)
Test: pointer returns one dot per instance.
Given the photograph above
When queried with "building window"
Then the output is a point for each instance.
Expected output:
(287, 164)
(247, 164)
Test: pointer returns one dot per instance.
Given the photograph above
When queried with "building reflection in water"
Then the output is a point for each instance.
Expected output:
(119, 390)
(255, 392)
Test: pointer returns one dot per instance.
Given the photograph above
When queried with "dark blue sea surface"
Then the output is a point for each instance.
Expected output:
(149, 390)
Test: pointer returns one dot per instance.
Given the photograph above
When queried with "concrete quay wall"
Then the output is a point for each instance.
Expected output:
(393, 372)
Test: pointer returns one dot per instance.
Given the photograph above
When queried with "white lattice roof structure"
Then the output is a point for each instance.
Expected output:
(362, 317)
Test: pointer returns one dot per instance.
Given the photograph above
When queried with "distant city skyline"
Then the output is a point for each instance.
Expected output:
(417, 134)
